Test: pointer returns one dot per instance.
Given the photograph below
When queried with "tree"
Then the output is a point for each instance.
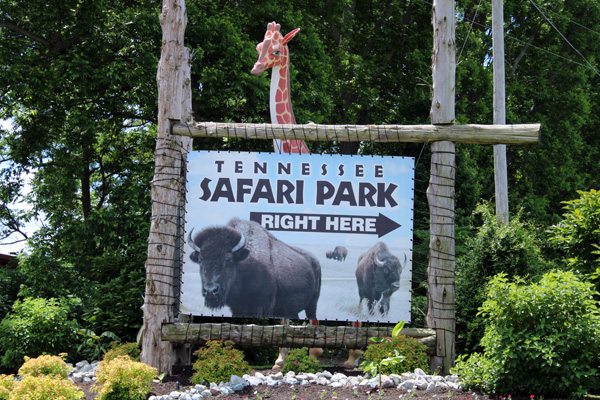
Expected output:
(547, 81)
(78, 84)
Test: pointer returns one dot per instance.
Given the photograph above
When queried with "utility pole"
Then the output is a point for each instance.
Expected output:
(500, 174)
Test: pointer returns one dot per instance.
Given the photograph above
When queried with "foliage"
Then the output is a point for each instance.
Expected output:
(35, 327)
(577, 236)
(78, 86)
(11, 280)
(94, 346)
(124, 379)
(45, 387)
(298, 360)
(546, 82)
(394, 355)
(513, 249)
(547, 330)
(122, 349)
(217, 361)
(45, 365)
(259, 355)
(7, 384)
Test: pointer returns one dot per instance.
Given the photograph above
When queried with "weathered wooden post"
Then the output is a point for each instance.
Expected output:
(168, 185)
(500, 173)
(440, 194)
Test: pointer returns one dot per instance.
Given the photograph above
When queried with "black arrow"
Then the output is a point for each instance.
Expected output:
(384, 225)
(326, 223)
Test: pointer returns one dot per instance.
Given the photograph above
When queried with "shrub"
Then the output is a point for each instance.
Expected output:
(45, 365)
(547, 330)
(577, 236)
(123, 378)
(411, 349)
(122, 349)
(217, 361)
(7, 384)
(45, 387)
(94, 347)
(298, 360)
(513, 249)
(35, 327)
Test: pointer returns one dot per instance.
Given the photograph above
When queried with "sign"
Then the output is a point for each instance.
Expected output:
(298, 236)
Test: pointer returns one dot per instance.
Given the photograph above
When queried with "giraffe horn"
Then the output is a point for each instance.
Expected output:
(290, 36)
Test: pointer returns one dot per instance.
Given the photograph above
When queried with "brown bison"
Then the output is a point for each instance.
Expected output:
(378, 276)
(244, 267)
(339, 253)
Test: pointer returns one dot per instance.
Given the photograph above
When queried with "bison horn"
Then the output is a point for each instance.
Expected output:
(379, 262)
(240, 244)
(191, 241)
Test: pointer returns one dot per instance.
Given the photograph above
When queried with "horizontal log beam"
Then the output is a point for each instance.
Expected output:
(520, 134)
(289, 335)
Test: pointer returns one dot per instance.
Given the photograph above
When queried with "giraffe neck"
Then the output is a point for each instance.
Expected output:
(280, 102)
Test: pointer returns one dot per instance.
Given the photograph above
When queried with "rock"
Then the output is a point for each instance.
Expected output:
(407, 385)
(324, 374)
(387, 383)
(236, 380)
(396, 379)
(278, 376)
(421, 384)
(253, 381)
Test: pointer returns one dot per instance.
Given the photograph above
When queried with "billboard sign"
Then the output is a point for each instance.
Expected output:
(298, 236)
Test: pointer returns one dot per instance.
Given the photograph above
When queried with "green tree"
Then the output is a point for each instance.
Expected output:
(78, 83)
(547, 81)
(512, 249)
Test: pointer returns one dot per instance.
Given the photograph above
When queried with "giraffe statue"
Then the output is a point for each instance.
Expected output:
(273, 53)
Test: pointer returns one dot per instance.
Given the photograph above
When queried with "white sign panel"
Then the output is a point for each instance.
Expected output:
(298, 236)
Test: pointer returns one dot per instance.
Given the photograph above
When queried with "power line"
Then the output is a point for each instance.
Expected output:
(531, 45)
(570, 20)
(564, 37)
(469, 33)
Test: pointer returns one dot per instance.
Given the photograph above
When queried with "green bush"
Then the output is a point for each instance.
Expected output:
(577, 236)
(122, 349)
(35, 327)
(124, 379)
(7, 384)
(93, 346)
(45, 365)
(260, 355)
(217, 361)
(298, 360)
(540, 338)
(411, 349)
(44, 387)
(513, 249)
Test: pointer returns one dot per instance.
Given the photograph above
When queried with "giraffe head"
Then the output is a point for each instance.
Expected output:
(273, 50)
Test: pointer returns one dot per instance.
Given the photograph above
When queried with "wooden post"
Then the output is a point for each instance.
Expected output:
(500, 174)
(168, 185)
(440, 193)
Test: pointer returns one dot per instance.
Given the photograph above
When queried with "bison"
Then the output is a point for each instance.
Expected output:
(246, 268)
(378, 276)
(339, 253)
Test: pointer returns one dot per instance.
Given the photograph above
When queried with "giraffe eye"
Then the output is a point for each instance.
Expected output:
(276, 53)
